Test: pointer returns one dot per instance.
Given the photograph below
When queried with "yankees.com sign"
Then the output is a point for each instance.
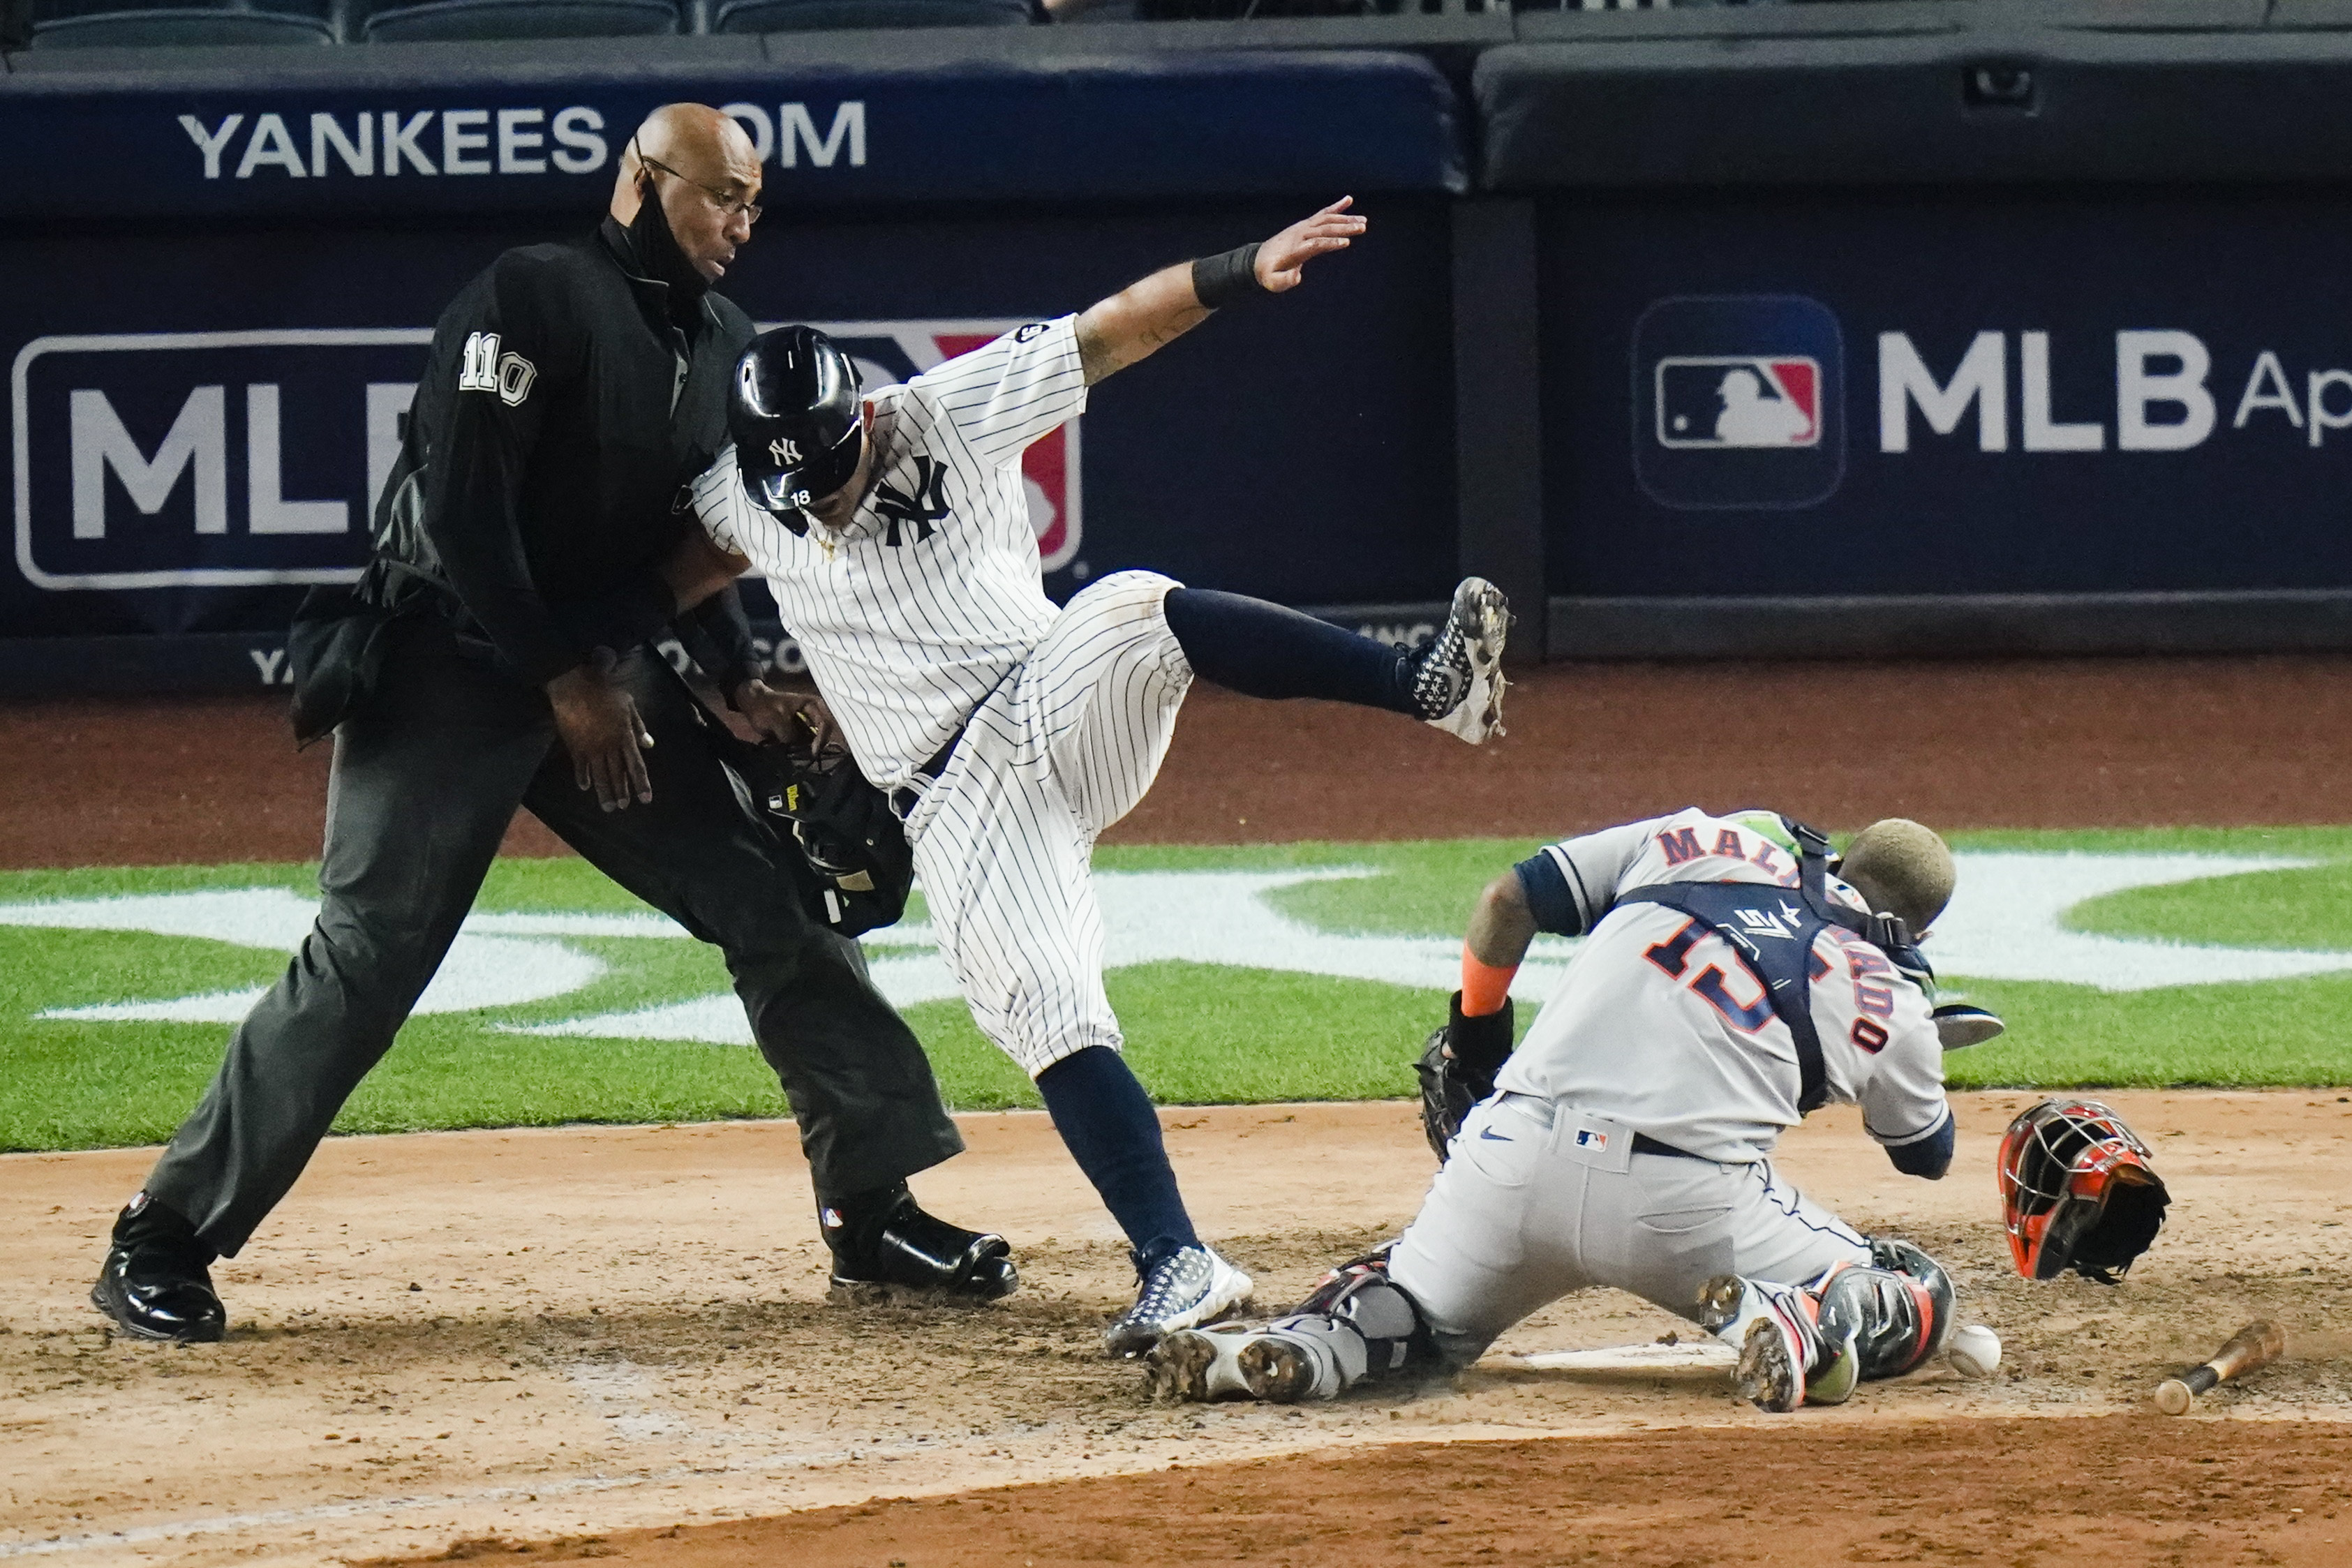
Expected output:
(191, 460)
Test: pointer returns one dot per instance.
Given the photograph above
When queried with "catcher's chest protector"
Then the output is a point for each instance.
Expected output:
(1772, 929)
(1773, 933)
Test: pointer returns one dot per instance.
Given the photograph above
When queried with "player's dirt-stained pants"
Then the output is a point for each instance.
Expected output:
(1004, 839)
(1538, 1199)
(427, 777)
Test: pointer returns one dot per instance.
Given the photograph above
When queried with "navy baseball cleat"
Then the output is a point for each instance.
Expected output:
(1184, 1290)
(1458, 681)
(156, 1282)
(887, 1246)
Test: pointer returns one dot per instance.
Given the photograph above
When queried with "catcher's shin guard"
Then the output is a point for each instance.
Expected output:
(1818, 1340)
(1897, 1312)
(1379, 1312)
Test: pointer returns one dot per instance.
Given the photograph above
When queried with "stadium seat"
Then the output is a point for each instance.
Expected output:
(96, 24)
(824, 15)
(424, 21)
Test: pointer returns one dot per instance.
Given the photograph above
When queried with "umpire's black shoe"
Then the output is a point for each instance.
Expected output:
(157, 1282)
(884, 1243)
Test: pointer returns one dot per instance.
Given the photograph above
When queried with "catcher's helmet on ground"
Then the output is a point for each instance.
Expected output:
(2077, 1191)
(797, 419)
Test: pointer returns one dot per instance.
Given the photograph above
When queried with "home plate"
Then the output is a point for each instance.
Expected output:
(1704, 1353)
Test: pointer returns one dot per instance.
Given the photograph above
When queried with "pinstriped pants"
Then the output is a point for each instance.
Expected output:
(1003, 840)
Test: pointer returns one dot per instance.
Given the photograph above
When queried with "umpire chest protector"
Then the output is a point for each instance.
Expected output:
(1774, 928)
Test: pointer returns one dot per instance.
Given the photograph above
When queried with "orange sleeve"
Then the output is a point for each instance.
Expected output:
(1484, 988)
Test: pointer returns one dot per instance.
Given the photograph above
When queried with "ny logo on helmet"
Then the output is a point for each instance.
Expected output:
(786, 452)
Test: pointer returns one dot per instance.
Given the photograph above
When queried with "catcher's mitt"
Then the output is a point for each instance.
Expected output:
(860, 866)
(1451, 1083)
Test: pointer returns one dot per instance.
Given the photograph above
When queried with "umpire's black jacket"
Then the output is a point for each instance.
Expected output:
(560, 416)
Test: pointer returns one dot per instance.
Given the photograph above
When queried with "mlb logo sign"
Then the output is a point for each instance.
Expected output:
(1589, 1138)
(1738, 402)
(887, 352)
(1719, 401)
(179, 460)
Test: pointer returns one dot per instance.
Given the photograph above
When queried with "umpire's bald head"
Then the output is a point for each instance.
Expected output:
(702, 167)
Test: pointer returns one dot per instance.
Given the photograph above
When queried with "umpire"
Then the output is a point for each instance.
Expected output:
(496, 654)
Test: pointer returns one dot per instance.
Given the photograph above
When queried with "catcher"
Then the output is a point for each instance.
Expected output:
(1732, 982)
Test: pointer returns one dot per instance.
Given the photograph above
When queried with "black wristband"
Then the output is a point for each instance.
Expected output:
(1219, 280)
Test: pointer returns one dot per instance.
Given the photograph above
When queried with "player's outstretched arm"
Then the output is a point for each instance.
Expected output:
(1147, 315)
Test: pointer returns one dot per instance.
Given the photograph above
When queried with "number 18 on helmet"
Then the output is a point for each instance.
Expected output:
(796, 419)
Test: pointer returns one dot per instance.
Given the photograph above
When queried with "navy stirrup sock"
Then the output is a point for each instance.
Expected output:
(1107, 1121)
(1263, 650)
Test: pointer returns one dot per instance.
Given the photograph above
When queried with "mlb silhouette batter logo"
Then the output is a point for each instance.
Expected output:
(1738, 402)
(1715, 401)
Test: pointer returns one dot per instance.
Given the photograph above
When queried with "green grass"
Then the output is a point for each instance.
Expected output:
(1197, 1033)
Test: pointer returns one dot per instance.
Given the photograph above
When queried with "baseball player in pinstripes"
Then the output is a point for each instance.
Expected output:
(893, 530)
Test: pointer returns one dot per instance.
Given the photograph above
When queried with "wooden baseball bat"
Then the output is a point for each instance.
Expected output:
(2257, 1344)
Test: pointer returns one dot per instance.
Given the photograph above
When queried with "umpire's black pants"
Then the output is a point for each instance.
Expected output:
(426, 776)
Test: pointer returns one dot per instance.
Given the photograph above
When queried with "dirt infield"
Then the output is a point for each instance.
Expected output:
(581, 1332)
(2079, 744)
(612, 1343)
(2142, 1491)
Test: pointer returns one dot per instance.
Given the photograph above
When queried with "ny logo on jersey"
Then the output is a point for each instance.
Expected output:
(786, 452)
(926, 508)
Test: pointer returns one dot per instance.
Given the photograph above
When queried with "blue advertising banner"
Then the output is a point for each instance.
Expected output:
(449, 143)
(1988, 392)
(200, 421)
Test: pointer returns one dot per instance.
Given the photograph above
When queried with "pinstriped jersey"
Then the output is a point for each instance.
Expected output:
(1658, 1024)
(917, 608)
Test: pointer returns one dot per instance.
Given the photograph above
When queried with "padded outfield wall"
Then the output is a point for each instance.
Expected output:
(218, 293)
(2032, 314)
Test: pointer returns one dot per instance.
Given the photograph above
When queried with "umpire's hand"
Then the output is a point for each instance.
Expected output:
(600, 727)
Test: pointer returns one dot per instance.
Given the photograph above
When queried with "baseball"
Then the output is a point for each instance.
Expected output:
(1975, 1351)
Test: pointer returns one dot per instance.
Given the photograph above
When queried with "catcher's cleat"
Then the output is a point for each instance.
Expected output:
(901, 1250)
(1189, 1287)
(1458, 679)
(1772, 1327)
(1233, 1361)
(156, 1282)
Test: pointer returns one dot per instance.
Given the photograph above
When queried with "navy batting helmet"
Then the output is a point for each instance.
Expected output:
(797, 419)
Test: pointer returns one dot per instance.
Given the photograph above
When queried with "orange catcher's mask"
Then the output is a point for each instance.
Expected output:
(2077, 1191)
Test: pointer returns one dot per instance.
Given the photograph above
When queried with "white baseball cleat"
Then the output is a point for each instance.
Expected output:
(1458, 681)
(1234, 1361)
(1782, 1355)
(1188, 1287)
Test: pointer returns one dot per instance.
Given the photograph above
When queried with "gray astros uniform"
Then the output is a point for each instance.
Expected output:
(928, 607)
(1658, 1028)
